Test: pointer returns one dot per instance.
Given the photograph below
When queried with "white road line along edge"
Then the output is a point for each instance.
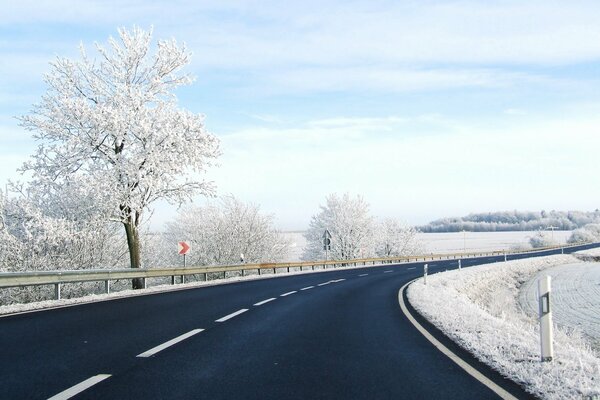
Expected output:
(169, 343)
(80, 387)
(234, 314)
(459, 361)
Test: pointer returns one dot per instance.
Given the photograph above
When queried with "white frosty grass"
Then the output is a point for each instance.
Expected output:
(478, 308)
(590, 252)
(48, 304)
(575, 298)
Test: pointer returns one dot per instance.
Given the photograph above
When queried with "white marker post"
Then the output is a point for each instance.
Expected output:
(545, 319)
(459, 265)
(425, 274)
(505, 259)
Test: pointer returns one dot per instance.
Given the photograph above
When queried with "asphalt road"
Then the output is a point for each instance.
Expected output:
(338, 334)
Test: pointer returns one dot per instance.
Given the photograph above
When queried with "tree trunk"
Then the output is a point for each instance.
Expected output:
(133, 244)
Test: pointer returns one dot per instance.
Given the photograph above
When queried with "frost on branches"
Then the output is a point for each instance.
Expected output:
(355, 233)
(114, 123)
(220, 232)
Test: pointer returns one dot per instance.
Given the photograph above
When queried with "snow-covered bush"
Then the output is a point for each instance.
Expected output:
(220, 232)
(589, 233)
(393, 238)
(542, 239)
(351, 227)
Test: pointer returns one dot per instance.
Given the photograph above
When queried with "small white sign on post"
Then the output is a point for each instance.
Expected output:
(546, 339)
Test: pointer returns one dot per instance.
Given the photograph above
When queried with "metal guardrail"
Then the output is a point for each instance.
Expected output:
(57, 278)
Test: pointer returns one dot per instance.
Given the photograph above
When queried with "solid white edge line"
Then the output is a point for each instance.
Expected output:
(288, 293)
(80, 387)
(260, 303)
(234, 314)
(169, 343)
(306, 288)
(447, 352)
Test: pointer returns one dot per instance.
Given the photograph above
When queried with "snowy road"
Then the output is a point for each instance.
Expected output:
(575, 297)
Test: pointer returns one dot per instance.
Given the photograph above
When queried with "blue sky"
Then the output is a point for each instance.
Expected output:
(426, 108)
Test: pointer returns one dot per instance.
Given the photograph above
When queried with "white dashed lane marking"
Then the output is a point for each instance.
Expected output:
(260, 303)
(170, 343)
(324, 283)
(363, 274)
(238, 312)
(80, 387)
(387, 272)
(412, 268)
(288, 293)
(306, 288)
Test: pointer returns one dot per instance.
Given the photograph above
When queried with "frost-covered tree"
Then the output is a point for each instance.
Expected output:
(351, 226)
(114, 122)
(393, 238)
(220, 232)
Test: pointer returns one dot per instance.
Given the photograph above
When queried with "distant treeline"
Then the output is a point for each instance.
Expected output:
(514, 221)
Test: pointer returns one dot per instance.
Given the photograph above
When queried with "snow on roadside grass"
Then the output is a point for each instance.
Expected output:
(478, 308)
(590, 252)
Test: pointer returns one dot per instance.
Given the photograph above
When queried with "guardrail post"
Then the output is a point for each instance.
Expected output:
(547, 348)
(260, 271)
(172, 279)
(425, 268)
(57, 291)
(107, 286)
(182, 279)
(144, 283)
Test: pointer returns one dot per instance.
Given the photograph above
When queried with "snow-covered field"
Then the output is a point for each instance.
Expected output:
(452, 242)
(575, 298)
(479, 309)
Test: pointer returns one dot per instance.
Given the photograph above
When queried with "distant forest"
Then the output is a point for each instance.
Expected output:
(514, 221)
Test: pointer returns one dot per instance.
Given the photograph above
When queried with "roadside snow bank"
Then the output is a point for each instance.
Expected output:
(478, 308)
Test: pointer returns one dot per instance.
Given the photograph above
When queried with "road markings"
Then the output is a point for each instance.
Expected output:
(459, 361)
(260, 303)
(324, 283)
(338, 280)
(363, 274)
(238, 312)
(306, 288)
(387, 272)
(412, 268)
(80, 387)
(288, 293)
(170, 343)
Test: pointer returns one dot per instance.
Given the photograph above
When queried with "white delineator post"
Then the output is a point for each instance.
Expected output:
(546, 338)
(425, 274)
(459, 266)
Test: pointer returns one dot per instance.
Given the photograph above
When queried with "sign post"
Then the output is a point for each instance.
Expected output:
(545, 319)
(326, 242)
(182, 249)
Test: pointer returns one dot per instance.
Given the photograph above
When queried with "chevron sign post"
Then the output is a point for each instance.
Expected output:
(182, 249)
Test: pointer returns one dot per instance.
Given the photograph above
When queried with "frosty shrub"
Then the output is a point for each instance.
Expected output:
(355, 233)
(589, 233)
(220, 232)
(542, 239)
